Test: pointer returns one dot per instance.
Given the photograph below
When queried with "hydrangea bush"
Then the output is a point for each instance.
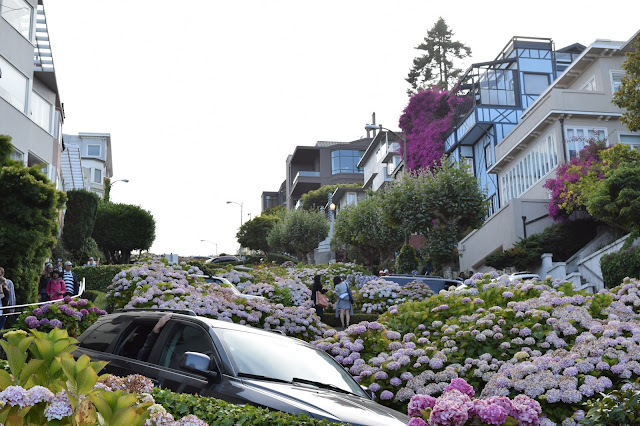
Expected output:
(541, 339)
(377, 295)
(75, 316)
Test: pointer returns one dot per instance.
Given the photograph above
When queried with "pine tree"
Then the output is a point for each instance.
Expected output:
(436, 67)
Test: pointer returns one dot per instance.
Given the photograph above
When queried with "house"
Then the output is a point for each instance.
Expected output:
(325, 163)
(552, 130)
(495, 94)
(31, 111)
(86, 161)
(380, 160)
(272, 199)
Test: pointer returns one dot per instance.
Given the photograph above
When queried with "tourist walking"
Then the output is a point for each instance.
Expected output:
(70, 280)
(319, 301)
(56, 286)
(8, 296)
(344, 305)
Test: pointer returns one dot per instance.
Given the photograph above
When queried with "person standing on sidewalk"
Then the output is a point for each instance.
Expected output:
(70, 280)
(8, 296)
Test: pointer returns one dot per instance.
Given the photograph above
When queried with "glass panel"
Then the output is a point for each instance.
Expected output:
(97, 175)
(93, 150)
(13, 85)
(41, 111)
(535, 84)
(630, 138)
(18, 13)
(183, 339)
(616, 79)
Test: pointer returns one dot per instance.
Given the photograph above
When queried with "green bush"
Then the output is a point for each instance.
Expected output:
(407, 260)
(222, 413)
(561, 239)
(91, 295)
(98, 277)
(617, 266)
(615, 408)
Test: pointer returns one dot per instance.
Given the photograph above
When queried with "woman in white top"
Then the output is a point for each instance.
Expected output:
(344, 306)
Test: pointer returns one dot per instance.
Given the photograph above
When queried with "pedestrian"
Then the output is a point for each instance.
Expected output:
(56, 286)
(8, 296)
(44, 280)
(344, 306)
(91, 262)
(315, 288)
(70, 279)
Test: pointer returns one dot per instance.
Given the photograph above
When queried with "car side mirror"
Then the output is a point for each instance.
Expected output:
(198, 363)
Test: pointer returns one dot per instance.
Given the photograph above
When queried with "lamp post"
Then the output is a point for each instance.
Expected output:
(404, 141)
(207, 241)
(107, 187)
(240, 204)
(120, 180)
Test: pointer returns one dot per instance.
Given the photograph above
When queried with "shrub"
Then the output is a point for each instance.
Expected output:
(562, 239)
(98, 277)
(218, 412)
(91, 295)
(615, 408)
(407, 260)
(617, 266)
(73, 316)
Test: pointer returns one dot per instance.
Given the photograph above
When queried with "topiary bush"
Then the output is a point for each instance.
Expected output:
(617, 266)
(407, 260)
(98, 277)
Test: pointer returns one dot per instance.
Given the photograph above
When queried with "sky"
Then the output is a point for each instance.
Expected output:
(204, 100)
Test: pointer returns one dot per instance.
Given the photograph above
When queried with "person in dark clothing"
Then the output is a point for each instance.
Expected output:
(317, 286)
(145, 350)
(44, 280)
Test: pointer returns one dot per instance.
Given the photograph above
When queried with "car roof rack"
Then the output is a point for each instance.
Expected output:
(173, 311)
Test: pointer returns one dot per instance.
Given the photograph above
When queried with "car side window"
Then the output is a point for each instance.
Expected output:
(184, 338)
(102, 336)
(134, 339)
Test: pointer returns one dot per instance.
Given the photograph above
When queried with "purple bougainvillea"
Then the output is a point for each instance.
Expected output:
(426, 121)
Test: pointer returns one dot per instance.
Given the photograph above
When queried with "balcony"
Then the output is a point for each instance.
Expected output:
(305, 181)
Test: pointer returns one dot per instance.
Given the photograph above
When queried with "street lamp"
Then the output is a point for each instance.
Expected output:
(240, 204)
(404, 141)
(207, 241)
(120, 180)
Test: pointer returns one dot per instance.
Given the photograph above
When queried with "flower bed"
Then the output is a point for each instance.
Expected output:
(73, 316)
(377, 295)
(540, 339)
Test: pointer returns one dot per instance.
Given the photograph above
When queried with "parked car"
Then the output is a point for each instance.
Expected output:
(224, 259)
(435, 283)
(524, 275)
(226, 283)
(234, 363)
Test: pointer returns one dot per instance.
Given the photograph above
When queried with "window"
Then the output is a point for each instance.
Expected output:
(632, 140)
(93, 150)
(102, 336)
(578, 137)
(488, 158)
(535, 84)
(496, 87)
(590, 85)
(17, 155)
(135, 339)
(18, 13)
(616, 79)
(345, 161)
(184, 338)
(41, 111)
(97, 175)
(352, 198)
(391, 166)
(530, 170)
(13, 85)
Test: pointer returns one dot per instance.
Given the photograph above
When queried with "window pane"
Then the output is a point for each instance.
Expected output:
(18, 14)
(97, 175)
(13, 85)
(93, 150)
(41, 111)
(534, 84)
(183, 339)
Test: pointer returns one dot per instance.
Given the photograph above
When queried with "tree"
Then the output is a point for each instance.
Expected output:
(444, 201)
(122, 228)
(435, 66)
(28, 222)
(426, 120)
(253, 234)
(299, 232)
(318, 198)
(363, 228)
(628, 94)
(79, 220)
(616, 199)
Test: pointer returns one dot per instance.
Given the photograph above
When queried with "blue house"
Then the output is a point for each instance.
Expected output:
(495, 95)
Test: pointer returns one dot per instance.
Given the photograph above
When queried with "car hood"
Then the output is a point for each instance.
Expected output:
(327, 404)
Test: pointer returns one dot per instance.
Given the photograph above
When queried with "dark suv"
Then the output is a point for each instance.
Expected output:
(235, 363)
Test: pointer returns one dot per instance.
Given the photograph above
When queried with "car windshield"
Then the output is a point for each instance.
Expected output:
(284, 359)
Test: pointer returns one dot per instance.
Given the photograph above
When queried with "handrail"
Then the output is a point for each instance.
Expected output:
(81, 289)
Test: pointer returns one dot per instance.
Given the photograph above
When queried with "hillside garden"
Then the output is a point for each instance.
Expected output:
(528, 352)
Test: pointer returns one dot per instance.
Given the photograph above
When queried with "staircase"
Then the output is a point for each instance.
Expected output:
(71, 168)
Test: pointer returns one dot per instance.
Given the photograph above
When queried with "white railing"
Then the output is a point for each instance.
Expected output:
(21, 308)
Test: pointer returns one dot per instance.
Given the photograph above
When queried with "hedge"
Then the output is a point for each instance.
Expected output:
(98, 277)
(331, 320)
(617, 266)
(222, 413)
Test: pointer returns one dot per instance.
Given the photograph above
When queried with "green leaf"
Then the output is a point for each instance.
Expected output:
(29, 370)
(86, 380)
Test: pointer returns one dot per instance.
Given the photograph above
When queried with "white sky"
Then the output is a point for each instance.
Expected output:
(205, 99)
